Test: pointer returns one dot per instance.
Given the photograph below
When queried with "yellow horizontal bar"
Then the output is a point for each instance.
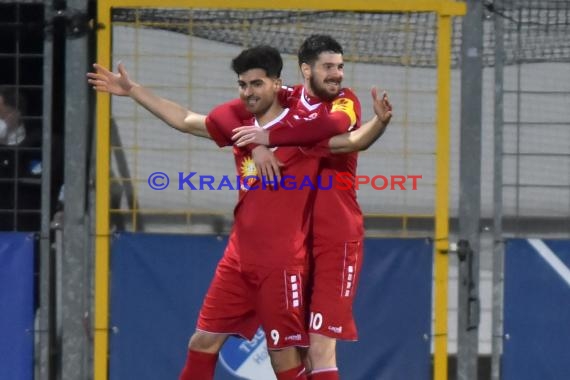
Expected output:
(168, 212)
(451, 8)
(399, 234)
(397, 216)
(178, 212)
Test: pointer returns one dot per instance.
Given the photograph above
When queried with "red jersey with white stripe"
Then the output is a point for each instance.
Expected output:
(337, 215)
(271, 225)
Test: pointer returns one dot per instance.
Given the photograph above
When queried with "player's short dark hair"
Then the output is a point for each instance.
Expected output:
(259, 57)
(316, 44)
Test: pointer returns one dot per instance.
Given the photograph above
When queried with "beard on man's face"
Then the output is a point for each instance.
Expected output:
(320, 91)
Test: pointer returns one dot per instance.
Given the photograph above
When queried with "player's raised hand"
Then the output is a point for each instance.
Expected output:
(113, 83)
(250, 135)
(382, 106)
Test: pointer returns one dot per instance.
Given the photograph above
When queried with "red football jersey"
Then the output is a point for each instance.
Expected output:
(337, 215)
(270, 224)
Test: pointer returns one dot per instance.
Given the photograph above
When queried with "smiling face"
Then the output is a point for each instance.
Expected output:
(258, 91)
(324, 77)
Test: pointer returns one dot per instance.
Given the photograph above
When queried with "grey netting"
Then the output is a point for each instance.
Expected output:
(387, 38)
(535, 31)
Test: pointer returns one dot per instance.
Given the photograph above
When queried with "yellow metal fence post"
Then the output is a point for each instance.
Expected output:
(442, 195)
(102, 239)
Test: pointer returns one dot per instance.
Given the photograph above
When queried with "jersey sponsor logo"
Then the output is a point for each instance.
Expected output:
(248, 172)
(296, 337)
(247, 359)
(335, 329)
(345, 105)
(311, 116)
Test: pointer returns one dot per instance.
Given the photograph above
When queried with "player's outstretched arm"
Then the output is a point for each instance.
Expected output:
(304, 130)
(168, 111)
(304, 133)
(369, 132)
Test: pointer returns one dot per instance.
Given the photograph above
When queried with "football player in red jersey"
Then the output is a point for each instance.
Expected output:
(262, 275)
(252, 252)
(337, 228)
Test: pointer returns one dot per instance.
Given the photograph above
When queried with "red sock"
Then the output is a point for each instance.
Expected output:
(199, 366)
(324, 374)
(297, 373)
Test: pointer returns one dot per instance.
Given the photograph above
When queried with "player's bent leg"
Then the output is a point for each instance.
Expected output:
(324, 374)
(282, 311)
(336, 272)
(202, 356)
(304, 352)
(207, 342)
(287, 364)
(322, 358)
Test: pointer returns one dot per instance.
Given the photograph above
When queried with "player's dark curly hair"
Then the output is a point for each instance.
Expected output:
(316, 44)
(259, 57)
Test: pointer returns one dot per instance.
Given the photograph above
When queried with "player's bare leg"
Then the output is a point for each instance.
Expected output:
(322, 358)
(202, 357)
(287, 364)
(207, 342)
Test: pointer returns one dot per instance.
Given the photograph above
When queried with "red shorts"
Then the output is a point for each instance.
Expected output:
(336, 271)
(241, 298)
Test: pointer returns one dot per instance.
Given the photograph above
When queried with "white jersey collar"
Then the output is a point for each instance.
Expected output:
(274, 121)
(305, 102)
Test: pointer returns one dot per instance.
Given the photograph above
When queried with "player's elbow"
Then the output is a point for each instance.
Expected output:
(193, 123)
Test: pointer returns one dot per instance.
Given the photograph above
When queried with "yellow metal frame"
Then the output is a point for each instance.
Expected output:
(444, 8)
(444, 25)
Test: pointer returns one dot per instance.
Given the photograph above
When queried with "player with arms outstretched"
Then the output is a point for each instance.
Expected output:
(261, 277)
(337, 228)
(263, 262)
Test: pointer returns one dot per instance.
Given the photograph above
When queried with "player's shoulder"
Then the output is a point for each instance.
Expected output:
(294, 90)
(346, 98)
(346, 92)
(229, 113)
(235, 105)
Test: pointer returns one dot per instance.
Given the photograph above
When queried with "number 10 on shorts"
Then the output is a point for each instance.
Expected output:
(316, 321)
